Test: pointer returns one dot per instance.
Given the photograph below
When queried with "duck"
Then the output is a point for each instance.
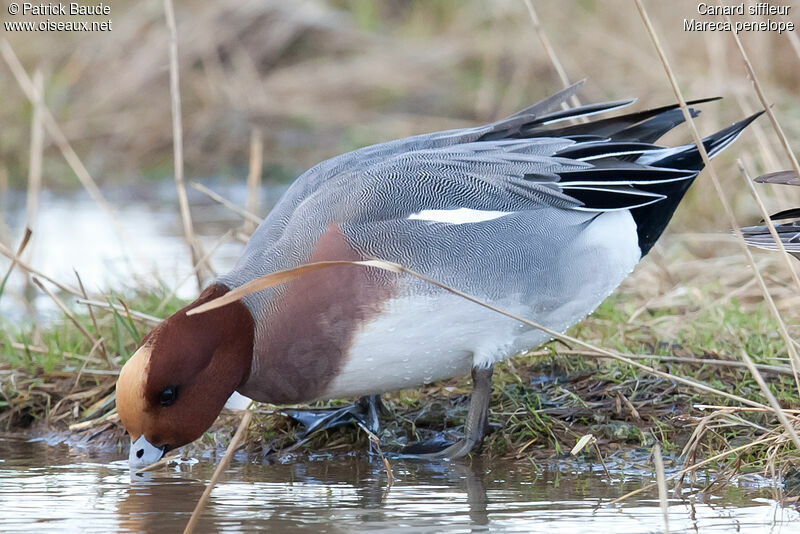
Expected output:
(788, 227)
(534, 213)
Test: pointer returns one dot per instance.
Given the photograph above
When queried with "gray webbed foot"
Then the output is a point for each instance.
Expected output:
(364, 412)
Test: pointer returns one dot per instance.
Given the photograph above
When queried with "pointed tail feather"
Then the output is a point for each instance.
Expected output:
(760, 237)
(583, 111)
(688, 156)
(524, 123)
(644, 126)
(780, 177)
(547, 105)
(793, 213)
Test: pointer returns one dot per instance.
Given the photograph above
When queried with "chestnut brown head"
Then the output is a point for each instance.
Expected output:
(174, 386)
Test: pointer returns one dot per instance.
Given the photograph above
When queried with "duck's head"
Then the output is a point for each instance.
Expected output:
(174, 386)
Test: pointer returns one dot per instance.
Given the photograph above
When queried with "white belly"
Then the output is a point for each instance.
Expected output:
(421, 339)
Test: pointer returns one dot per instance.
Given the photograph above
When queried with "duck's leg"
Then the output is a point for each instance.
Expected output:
(474, 427)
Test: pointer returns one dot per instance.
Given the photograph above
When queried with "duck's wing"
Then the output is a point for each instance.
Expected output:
(542, 119)
(529, 160)
(505, 175)
(535, 181)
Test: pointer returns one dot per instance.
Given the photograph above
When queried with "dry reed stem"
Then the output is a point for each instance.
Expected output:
(37, 150)
(776, 369)
(696, 466)
(794, 40)
(768, 220)
(286, 275)
(768, 155)
(26, 237)
(17, 261)
(764, 102)
(237, 437)
(281, 277)
(55, 132)
(136, 315)
(585, 440)
(717, 185)
(662, 485)
(551, 54)
(227, 203)
(772, 400)
(159, 464)
(99, 342)
(690, 449)
(377, 443)
(54, 297)
(46, 350)
(741, 408)
(111, 416)
(103, 350)
(602, 462)
(177, 138)
(254, 176)
(202, 260)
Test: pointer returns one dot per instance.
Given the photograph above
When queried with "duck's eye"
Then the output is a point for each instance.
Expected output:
(168, 396)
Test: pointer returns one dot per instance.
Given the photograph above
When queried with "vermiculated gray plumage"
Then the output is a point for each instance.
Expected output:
(527, 212)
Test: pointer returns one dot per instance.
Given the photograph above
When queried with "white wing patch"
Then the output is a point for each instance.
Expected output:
(458, 216)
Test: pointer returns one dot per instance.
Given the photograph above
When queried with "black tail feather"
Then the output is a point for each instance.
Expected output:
(653, 129)
(610, 197)
(583, 111)
(603, 149)
(628, 174)
(645, 126)
(529, 121)
(793, 213)
(647, 179)
(688, 156)
(627, 171)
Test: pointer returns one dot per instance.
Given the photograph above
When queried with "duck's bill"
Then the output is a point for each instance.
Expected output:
(143, 453)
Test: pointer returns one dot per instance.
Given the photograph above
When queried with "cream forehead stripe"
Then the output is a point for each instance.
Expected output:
(130, 391)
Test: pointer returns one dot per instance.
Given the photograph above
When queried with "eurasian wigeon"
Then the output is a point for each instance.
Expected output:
(788, 221)
(533, 214)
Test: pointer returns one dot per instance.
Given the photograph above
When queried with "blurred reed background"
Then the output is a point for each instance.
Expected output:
(322, 77)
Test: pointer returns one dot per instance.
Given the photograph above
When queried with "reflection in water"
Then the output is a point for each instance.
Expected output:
(476, 492)
(141, 507)
(52, 489)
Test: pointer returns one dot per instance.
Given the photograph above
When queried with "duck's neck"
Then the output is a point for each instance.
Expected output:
(229, 331)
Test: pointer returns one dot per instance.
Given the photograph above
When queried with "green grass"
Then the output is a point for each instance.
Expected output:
(541, 403)
(41, 365)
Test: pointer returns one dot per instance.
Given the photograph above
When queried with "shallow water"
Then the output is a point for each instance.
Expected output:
(142, 245)
(54, 489)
